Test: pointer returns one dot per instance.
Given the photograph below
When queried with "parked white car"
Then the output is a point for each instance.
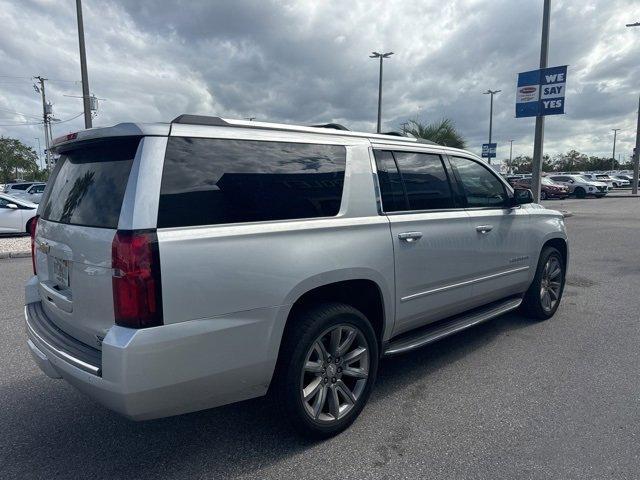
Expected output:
(581, 186)
(601, 177)
(16, 214)
(32, 194)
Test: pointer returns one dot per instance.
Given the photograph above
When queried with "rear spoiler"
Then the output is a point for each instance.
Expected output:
(119, 130)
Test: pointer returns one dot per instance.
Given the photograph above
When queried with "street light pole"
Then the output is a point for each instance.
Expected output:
(37, 139)
(86, 100)
(536, 167)
(492, 93)
(510, 156)
(381, 56)
(636, 153)
(613, 157)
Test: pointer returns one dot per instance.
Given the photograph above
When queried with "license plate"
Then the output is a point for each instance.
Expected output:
(61, 272)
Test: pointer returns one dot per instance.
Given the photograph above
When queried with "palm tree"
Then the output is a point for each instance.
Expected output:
(442, 132)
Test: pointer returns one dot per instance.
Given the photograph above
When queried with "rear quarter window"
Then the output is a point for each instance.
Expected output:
(217, 181)
(89, 182)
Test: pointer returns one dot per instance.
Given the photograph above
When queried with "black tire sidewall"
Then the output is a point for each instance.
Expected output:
(580, 192)
(532, 303)
(311, 324)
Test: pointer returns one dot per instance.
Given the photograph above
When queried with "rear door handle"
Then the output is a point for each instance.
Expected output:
(410, 236)
(484, 228)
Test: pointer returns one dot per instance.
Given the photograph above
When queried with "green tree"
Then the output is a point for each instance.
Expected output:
(442, 132)
(17, 160)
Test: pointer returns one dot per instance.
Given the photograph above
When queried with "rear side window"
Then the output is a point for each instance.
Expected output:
(425, 180)
(412, 181)
(481, 187)
(89, 182)
(20, 186)
(215, 181)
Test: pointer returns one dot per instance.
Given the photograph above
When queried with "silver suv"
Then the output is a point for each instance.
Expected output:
(188, 265)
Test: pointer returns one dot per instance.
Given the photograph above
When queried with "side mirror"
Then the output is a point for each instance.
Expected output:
(12, 206)
(522, 196)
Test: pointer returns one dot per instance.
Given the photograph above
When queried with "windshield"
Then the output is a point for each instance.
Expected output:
(89, 182)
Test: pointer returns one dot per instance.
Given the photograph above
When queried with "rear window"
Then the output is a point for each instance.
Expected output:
(89, 182)
(215, 181)
(20, 186)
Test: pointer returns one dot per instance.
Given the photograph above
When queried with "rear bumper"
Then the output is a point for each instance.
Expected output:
(167, 370)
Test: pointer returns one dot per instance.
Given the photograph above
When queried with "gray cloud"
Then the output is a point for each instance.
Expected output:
(306, 62)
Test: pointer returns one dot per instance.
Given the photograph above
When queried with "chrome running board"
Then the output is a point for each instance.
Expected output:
(432, 333)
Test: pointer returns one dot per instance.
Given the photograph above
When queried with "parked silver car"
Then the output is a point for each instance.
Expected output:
(188, 265)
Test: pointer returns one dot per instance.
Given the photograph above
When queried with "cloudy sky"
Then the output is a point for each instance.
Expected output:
(307, 61)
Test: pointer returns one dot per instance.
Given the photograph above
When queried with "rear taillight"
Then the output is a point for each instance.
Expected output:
(137, 292)
(33, 225)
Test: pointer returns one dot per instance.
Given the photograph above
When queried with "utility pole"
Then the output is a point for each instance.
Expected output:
(536, 167)
(381, 56)
(492, 93)
(86, 100)
(45, 118)
(613, 157)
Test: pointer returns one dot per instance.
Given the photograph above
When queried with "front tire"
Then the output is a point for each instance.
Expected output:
(326, 369)
(580, 192)
(542, 299)
(543, 195)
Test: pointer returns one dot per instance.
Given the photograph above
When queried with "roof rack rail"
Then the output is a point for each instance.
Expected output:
(335, 126)
(200, 120)
(424, 140)
(395, 134)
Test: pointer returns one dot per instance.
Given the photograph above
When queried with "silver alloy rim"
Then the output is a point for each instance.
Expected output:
(335, 373)
(550, 284)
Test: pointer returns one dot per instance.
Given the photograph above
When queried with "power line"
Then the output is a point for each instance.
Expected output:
(18, 113)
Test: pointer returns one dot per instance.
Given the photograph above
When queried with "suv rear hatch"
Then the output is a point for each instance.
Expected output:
(78, 221)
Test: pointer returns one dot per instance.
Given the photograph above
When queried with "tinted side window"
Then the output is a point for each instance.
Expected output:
(425, 180)
(20, 186)
(481, 187)
(391, 188)
(214, 181)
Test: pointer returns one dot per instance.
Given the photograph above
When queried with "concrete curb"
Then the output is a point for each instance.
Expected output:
(4, 255)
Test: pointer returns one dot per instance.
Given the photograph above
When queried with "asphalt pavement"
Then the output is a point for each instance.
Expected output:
(507, 399)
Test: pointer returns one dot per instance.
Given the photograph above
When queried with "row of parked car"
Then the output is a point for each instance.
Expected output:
(31, 191)
(580, 184)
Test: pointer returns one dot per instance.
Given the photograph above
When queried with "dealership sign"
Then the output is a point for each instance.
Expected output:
(541, 92)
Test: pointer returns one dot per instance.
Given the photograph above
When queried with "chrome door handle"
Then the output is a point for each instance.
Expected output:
(484, 228)
(410, 236)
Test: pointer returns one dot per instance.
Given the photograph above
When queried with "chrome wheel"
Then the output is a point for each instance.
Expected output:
(335, 373)
(550, 284)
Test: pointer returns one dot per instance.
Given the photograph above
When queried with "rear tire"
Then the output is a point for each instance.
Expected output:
(542, 299)
(580, 192)
(323, 379)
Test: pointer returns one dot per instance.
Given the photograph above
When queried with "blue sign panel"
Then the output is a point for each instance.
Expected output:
(489, 150)
(552, 87)
(541, 92)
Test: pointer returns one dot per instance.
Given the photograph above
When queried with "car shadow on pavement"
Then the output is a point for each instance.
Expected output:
(54, 431)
